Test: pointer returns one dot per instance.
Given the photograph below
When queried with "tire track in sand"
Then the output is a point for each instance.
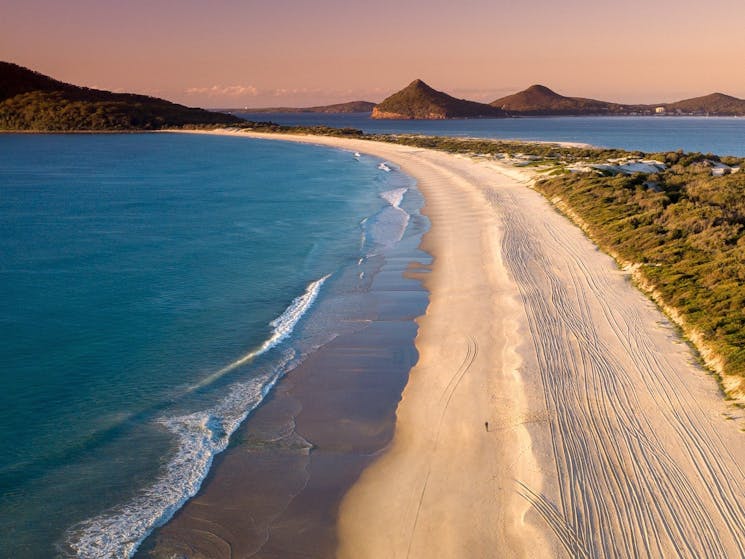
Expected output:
(634, 480)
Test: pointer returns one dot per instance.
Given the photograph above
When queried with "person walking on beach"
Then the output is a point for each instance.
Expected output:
(486, 426)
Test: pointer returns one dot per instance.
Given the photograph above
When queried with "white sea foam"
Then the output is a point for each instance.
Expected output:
(388, 226)
(282, 327)
(363, 233)
(394, 197)
(384, 167)
(199, 437)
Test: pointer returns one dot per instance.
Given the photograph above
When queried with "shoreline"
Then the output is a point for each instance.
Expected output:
(532, 428)
(731, 385)
(354, 520)
(294, 457)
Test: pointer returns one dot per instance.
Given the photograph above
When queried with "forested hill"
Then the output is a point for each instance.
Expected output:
(420, 101)
(717, 104)
(34, 102)
(539, 100)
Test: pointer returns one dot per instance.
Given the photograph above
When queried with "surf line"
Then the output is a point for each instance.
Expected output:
(282, 327)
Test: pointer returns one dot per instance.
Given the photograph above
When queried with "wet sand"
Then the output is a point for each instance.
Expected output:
(275, 492)
(604, 437)
(272, 493)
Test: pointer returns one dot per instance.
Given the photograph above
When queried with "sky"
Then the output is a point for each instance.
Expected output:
(268, 53)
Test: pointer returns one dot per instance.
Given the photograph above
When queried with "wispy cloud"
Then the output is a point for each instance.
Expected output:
(348, 93)
(286, 92)
(224, 95)
(224, 91)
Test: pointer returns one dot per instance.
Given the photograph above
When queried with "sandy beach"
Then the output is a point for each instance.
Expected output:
(553, 410)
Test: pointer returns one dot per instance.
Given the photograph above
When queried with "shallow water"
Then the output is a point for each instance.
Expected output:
(153, 289)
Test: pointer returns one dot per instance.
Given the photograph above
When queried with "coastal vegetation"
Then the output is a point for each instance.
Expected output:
(681, 232)
(30, 101)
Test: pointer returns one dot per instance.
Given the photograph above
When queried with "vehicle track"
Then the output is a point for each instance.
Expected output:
(632, 457)
(622, 489)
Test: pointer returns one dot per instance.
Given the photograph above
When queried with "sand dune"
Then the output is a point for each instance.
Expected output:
(604, 439)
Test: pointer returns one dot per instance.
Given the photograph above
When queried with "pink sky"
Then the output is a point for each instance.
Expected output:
(296, 53)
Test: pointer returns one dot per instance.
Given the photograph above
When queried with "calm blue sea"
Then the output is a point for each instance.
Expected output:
(153, 287)
(719, 135)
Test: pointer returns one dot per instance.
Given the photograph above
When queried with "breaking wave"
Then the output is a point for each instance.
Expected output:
(199, 437)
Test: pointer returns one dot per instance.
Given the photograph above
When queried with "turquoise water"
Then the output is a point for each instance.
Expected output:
(720, 135)
(152, 289)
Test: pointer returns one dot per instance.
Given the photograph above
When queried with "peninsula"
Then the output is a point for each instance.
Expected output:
(30, 101)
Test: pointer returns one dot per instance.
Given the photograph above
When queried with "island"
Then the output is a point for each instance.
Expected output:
(419, 101)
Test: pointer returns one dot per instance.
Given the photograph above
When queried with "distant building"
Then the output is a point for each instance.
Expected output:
(659, 110)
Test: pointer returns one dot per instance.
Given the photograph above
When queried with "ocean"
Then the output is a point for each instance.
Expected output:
(153, 289)
(718, 135)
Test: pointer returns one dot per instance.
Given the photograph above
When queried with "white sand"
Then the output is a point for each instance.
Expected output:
(605, 439)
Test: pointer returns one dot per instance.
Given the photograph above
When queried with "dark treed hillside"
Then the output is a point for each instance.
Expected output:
(32, 101)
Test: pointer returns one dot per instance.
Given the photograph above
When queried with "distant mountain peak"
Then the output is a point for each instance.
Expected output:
(541, 100)
(538, 88)
(714, 103)
(418, 100)
(723, 96)
(420, 85)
